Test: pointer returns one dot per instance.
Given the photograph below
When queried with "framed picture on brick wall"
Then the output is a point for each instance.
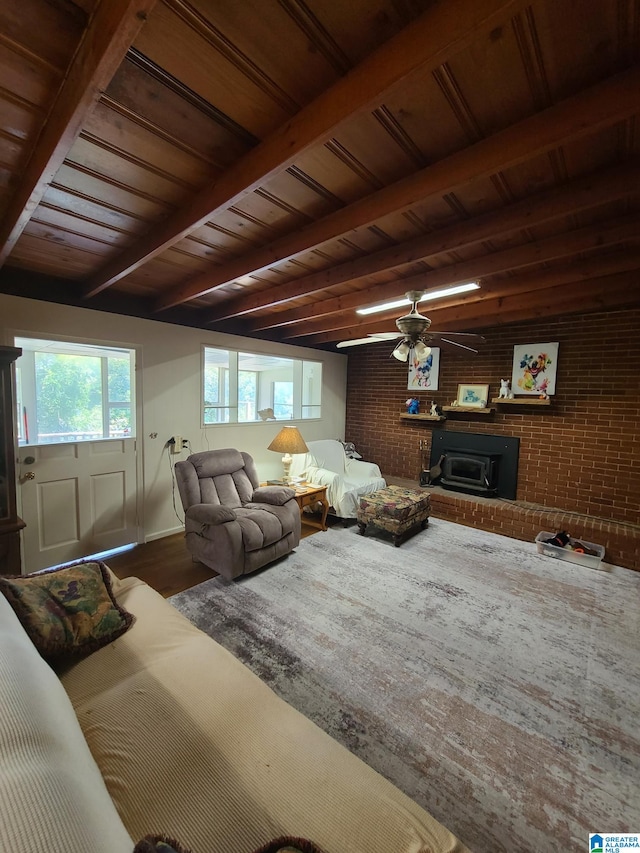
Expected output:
(472, 396)
(534, 369)
(423, 375)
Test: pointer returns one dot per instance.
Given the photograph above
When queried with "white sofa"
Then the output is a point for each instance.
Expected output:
(164, 731)
(346, 478)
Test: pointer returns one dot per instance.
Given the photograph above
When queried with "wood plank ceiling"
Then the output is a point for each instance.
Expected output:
(267, 167)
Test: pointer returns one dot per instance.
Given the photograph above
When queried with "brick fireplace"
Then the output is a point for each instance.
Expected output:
(578, 458)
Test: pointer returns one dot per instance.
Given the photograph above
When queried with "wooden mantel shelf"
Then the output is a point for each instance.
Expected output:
(521, 401)
(466, 410)
(407, 417)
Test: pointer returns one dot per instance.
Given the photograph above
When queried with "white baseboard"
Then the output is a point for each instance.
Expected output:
(162, 533)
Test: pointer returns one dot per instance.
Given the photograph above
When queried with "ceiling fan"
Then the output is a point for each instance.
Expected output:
(413, 331)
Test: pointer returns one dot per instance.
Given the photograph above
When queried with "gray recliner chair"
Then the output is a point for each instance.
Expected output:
(232, 524)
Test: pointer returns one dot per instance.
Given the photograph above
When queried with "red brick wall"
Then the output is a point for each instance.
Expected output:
(580, 454)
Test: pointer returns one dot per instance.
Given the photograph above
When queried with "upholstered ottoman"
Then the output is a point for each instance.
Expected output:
(402, 512)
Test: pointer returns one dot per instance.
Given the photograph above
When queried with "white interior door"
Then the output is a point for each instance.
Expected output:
(77, 499)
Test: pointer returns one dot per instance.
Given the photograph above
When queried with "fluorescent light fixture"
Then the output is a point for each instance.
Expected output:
(431, 294)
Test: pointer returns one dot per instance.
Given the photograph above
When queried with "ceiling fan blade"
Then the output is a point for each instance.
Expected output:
(371, 339)
(478, 338)
(456, 344)
(460, 339)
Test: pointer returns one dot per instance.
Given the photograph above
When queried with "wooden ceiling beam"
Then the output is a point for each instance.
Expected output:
(583, 114)
(580, 194)
(590, 238)
(464, 315)
(104, 45)
(442, 31)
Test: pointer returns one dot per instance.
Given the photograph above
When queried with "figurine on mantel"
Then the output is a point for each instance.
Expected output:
(413, 406)
(505, 390)
(436, 411)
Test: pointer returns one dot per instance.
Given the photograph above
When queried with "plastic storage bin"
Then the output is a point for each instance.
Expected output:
(593, 561)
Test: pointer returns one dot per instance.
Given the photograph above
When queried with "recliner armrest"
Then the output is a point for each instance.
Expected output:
(274, 495)
(210, 514)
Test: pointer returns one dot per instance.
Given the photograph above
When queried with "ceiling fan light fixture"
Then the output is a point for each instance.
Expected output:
(414, 335)
(421, 351)
(401, 352)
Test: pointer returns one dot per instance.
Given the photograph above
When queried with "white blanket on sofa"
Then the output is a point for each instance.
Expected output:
(346, 479)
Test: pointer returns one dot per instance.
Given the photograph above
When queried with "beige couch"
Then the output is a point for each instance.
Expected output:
(184, 740)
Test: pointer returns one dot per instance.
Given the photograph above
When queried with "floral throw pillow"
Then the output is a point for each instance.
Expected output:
(67, 611)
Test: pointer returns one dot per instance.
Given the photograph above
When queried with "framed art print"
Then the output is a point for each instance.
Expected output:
(534, 369)
(423, 375)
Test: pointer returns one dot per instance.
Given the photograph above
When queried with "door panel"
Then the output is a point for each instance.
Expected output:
(78, 498)
(57, 508)
(108, 500)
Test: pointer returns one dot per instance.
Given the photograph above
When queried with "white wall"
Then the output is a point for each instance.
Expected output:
(169, 384)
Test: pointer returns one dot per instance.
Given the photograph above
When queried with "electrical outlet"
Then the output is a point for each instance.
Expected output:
(176, 447)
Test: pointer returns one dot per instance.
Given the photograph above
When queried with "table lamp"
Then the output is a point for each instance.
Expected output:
(288, 441)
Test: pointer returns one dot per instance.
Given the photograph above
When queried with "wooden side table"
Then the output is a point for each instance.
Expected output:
(308, 494)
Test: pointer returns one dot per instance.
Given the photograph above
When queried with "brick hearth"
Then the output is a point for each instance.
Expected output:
(524, 521)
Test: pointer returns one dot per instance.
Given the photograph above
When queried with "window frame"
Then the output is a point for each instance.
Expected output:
(27, 395)
(231, 406)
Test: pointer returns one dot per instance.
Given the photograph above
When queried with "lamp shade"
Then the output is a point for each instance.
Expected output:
(289, 440)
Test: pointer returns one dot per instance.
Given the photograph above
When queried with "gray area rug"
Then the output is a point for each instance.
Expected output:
(498, 688)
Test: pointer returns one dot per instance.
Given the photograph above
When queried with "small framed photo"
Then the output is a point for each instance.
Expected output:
(473, 396)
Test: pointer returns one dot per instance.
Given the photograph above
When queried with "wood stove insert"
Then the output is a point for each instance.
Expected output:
(477, 464)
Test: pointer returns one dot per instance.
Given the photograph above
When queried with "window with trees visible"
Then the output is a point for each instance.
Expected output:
(68, 391)
(244, 387)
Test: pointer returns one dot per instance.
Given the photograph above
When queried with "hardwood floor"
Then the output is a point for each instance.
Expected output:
(166, 565)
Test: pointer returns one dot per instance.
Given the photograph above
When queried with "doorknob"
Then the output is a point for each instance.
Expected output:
(30, 475)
